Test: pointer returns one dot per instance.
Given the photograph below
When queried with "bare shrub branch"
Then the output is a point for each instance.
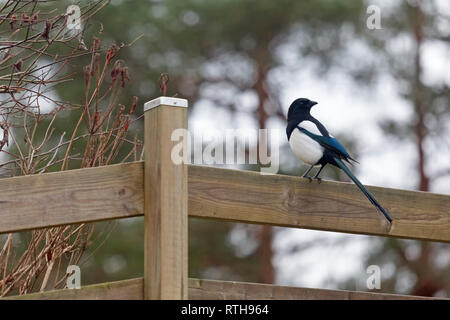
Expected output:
(38, 53)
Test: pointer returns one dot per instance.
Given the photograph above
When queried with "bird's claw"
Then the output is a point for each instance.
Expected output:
(319, 180)
(309, 178)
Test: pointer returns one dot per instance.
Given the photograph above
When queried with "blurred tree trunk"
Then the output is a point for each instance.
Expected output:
(266, 270)
(427, 284)
(419, 98)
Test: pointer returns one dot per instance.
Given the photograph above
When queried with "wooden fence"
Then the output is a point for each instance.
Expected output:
(166, 193)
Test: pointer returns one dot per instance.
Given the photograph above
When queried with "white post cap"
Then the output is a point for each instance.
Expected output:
(166, 101)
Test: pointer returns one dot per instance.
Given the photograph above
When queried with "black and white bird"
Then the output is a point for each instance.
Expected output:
(311, 143)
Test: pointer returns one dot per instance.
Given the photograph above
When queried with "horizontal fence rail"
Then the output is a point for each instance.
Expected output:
(211, 290)
(116, 191)
(69, 197)
(250, 197)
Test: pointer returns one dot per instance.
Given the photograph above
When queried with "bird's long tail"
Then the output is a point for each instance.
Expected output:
(362, 188)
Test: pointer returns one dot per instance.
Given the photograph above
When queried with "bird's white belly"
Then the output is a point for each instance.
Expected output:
(305, 148)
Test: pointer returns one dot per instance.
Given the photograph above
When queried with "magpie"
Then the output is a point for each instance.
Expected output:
(311, 143)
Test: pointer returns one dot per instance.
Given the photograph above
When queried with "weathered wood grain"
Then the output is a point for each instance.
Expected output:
(242, 196)
(166, 215)
(228, 290)
(249, 197)
(68, 197)
(212, 290)
(131, 289)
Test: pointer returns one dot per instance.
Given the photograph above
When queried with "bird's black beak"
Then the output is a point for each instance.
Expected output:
(313, 103)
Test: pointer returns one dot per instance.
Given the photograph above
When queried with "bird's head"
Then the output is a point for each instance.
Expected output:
(300, 106)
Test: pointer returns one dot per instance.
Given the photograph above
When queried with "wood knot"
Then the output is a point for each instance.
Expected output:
(289, 197)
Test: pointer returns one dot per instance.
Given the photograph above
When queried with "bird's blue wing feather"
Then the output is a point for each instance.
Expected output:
(335, 145)
(329, 143)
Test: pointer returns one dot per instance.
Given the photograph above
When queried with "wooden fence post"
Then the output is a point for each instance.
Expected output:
(165, 204)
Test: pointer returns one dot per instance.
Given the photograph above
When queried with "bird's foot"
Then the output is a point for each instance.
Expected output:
(309, 178)
(319, 180)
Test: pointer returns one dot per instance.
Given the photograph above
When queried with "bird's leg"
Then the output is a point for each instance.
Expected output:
(318, 172)
(305, 175)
